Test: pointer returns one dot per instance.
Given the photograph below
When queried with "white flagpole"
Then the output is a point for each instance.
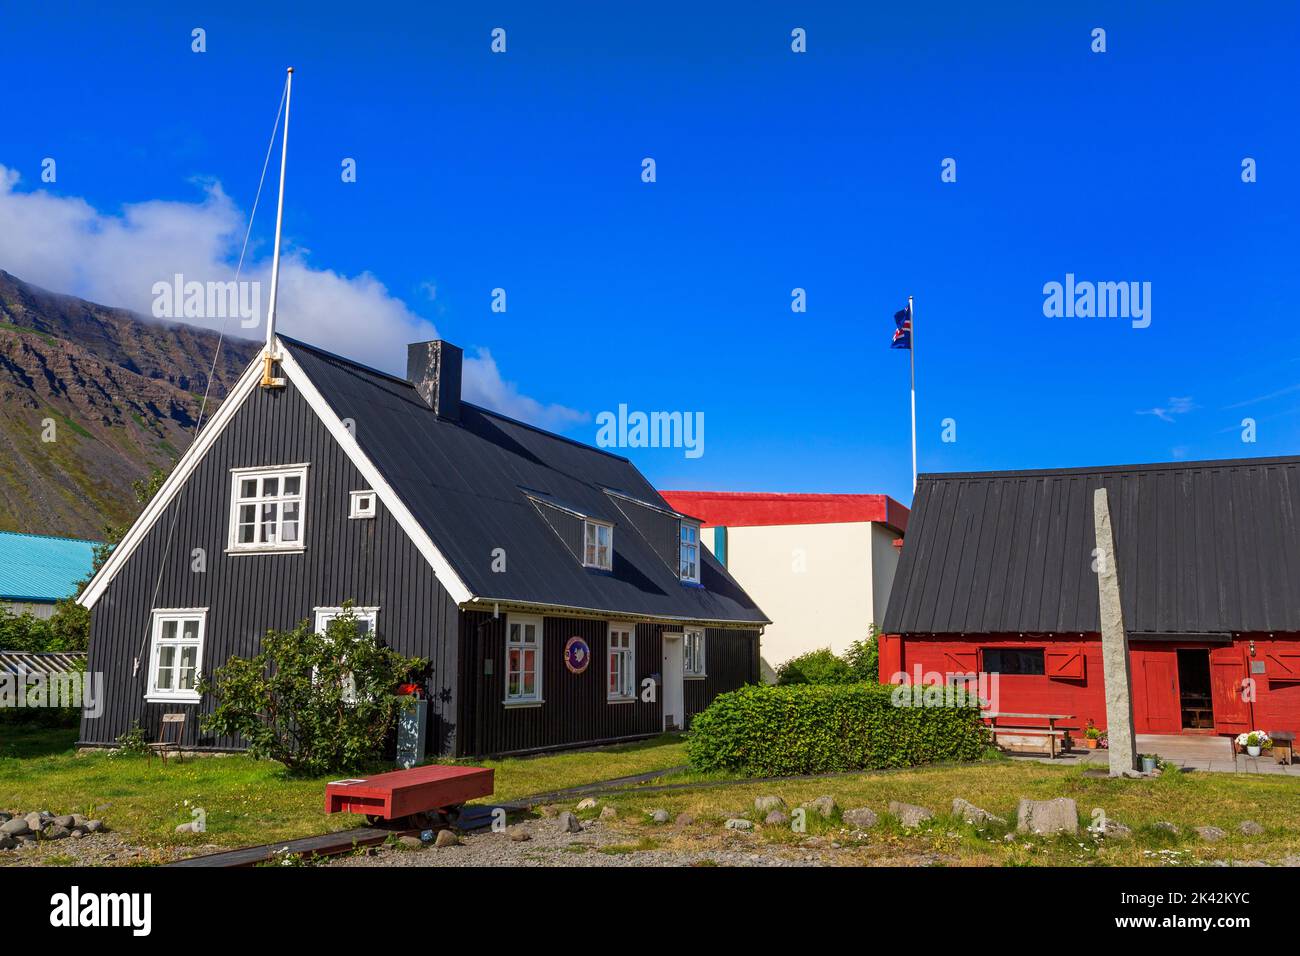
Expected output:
(911, 321)
(279, 220)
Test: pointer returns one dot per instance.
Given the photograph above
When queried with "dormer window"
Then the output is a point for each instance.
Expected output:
(598, 539)
(690, 553)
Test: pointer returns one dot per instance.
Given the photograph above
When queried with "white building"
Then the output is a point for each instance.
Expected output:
(820, 566)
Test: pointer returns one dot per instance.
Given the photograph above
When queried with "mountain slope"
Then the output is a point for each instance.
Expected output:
(117, 393)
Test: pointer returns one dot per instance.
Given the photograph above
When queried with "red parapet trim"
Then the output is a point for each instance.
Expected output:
(745, 509)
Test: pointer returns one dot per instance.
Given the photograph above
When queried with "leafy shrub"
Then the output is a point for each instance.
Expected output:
(863, 658)
(821, 666)
(133, 743)
(782, 731)
(318, 703)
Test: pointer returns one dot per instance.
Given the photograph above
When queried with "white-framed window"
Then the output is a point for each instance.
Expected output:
(693, 651)
(176, 653)
(366, 618)
(361, 504)
(598, 544)
(267, 508)
(621, 663)
(523, 659)
(690, 553)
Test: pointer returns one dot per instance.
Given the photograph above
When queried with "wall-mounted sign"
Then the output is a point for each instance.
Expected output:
(577, 655)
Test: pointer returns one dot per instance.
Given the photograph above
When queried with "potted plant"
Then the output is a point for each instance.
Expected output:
(1092, 736)
(1254, 742)
(1149, 762)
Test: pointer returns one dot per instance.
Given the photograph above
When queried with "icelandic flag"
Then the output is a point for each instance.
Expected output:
(902, 334)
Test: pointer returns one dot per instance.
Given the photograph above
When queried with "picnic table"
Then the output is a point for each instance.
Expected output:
(1050, 731)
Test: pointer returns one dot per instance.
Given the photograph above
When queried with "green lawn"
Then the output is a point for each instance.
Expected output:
(246, 801)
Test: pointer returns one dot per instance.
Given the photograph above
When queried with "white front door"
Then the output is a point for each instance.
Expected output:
(674, 700)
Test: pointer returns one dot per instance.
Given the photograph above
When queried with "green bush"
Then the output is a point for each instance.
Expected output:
(801, 729)
(821, 666)
(318, 703)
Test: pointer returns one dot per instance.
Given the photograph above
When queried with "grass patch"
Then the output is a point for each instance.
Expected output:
(245, 801)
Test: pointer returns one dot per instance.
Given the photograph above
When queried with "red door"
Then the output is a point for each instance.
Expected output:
(1160, 676)
(1231, 709)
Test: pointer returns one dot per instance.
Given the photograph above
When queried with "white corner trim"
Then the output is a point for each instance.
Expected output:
(442, 568)
(175, 481)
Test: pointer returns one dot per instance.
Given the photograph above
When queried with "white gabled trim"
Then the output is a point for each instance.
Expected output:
(175, 481)
(442, 568)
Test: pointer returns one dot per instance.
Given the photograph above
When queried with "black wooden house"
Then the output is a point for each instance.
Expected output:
(547, 583)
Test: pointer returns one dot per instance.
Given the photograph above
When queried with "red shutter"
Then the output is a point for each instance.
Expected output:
(1064, 662)
(962, 662)
(1231, 710)
(1283, 665)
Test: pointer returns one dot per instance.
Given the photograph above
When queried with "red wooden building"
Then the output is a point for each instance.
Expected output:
(996, 576)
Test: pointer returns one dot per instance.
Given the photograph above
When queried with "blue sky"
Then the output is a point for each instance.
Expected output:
(775, 170)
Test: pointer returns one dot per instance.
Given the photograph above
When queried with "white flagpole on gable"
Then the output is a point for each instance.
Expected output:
(911, 321)
(268, 378)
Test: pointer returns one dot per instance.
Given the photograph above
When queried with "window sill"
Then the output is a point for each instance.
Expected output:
(238, 551)
(694, 676)
(620, 700)
(512, 704)
(156, 699)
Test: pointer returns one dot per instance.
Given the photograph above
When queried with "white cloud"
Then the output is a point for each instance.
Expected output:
(1175, 406)
(66, 245)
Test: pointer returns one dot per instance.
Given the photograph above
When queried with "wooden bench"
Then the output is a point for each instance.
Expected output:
(430, 794)
(1050, 731)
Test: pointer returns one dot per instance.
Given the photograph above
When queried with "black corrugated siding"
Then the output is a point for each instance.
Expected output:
(371, 562)
(1203, 547)
(576, 710)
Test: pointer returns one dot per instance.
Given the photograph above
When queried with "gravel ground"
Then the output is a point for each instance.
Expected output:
(94, 849)
(601, 844)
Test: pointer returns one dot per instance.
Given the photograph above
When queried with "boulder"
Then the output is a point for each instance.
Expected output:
(586, 804)
(1048, 816)
(1114, 830)
(776, 819)
(736, 823)
(35, 822)
(768, 804)
(15, 827)
(568, 823)
(56, 832)
(67, 821)
(660, 816)
(411, 842)
(519, 835)
(1245, 828)
(1164, 826)
(5, 817)
(78, 820)
(96, 826)
(549, 810)
(1210, 834)
(971, 813)
(185, 827)
(7, 842)
(909, 814)
(608, 813)
(685, 819)
(446, 838)
(863, 818)
(824, 805)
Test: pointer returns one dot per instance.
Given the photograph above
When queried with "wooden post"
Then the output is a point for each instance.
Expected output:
(1114, 644)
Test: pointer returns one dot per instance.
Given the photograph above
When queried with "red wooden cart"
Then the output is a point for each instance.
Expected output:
(422, 795)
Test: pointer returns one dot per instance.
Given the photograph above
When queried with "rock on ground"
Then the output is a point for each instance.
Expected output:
(909, 814)
(608, 813)
(660, 816)
(776, 819)
(971, 813)
(768, 804)
(446, 838)
(586, 804)
(568, 823)
(1048, 816)
(1164, 826)
(861, 817)
(824, 805)
(1210, 834)
(1250, 828)
(736, 823)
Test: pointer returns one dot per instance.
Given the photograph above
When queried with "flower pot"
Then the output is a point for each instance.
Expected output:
(1092, 742)
(1253, 751)
(1148, 764)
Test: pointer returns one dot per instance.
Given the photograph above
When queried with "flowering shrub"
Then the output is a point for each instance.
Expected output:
(1256, 738)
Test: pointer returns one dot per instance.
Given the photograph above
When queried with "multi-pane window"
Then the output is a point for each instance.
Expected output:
(267, 509)
(523, 659)
(1013, 660)
(622, 662)
(599, 544)
(690, 553)
(365, 618)
(693, 652)
(177, 653)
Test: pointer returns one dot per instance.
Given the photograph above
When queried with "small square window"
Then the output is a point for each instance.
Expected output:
(598, 539)
(362, 504)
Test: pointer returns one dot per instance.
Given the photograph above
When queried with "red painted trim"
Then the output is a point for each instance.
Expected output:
(743, 509)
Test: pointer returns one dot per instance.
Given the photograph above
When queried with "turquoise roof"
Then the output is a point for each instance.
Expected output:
(35, 567)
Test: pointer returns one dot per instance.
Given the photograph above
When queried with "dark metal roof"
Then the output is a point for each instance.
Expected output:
(1203, 548)
(469, 482)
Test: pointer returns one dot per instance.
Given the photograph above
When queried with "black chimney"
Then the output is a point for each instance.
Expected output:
(434, 369)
